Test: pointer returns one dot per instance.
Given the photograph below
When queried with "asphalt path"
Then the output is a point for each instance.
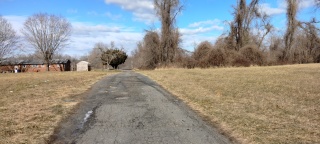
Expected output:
(129, 108)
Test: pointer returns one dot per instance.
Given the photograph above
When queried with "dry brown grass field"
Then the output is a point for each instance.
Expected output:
(32, 104)
(278, 104)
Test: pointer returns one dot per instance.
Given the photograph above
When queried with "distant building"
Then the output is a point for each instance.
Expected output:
(34, 66)
(83, 66)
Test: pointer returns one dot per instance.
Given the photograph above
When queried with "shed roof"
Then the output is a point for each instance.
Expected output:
(83, 62)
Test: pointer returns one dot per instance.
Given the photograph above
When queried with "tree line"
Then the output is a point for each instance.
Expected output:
(47, 34)
(251, 40)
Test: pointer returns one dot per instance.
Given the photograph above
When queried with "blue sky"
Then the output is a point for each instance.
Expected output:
(125, 21)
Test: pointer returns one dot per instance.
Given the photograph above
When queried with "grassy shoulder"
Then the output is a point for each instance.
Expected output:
(278, 104)
(32, 104)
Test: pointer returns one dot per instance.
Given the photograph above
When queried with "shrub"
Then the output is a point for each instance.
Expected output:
(317, 59)
(200, 54)
(274, 57)
(253, 55)
(217, 57)
(202, 50)
(203, 63)
(189, 63)
(235, 58)
(239, 60)
(316, 54)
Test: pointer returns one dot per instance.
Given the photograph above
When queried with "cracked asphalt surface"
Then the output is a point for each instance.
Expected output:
(129, 108)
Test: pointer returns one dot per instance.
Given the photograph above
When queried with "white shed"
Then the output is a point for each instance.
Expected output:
(83, 66)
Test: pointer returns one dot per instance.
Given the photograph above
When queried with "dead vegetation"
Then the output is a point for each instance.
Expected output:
(32, 104)
(278, 104)
(158, 50)
(167, 11)
(292, 25)
(8, 39)
(251, 40)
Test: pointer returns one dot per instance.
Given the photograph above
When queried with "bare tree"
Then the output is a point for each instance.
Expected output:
(106, 56)
(151, 44)
(241, 25)
(292, 24)
(275, 48)
(266, 28)
(309, 40)
(201, 53)
(94, 58)
(8, 38)
(47, 34)
(138, 56)
(167, 10)
(148, 55)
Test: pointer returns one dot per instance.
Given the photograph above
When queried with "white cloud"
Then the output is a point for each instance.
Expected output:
(144, 17)
(266, 8)
(142, 9)
(16, 22)
(202, 27)
(81, 27)
(136, 5)
(113, 16)
(85, 35)
(82, 44)
(208, 22)
(282, 6)
(199, 30)
(306, 4)
(190, 42)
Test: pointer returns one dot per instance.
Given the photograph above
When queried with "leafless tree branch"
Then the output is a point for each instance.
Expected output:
(47, 34)
(292, 24)
(241, 25)
(8, 38)
(167, 10)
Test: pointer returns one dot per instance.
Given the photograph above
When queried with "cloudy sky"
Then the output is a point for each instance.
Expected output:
(125, 21)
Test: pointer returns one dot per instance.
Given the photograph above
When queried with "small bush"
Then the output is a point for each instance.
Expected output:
(230, 55)
(317, 60)
(217, 57)
(253, 55)
(200, 54)
(274, 57)
(316, 54)
(203, 63)
(202, 50)
(189, 63)
(239, 60)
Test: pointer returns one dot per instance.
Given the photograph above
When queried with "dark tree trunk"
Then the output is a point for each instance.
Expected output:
(48, 67)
